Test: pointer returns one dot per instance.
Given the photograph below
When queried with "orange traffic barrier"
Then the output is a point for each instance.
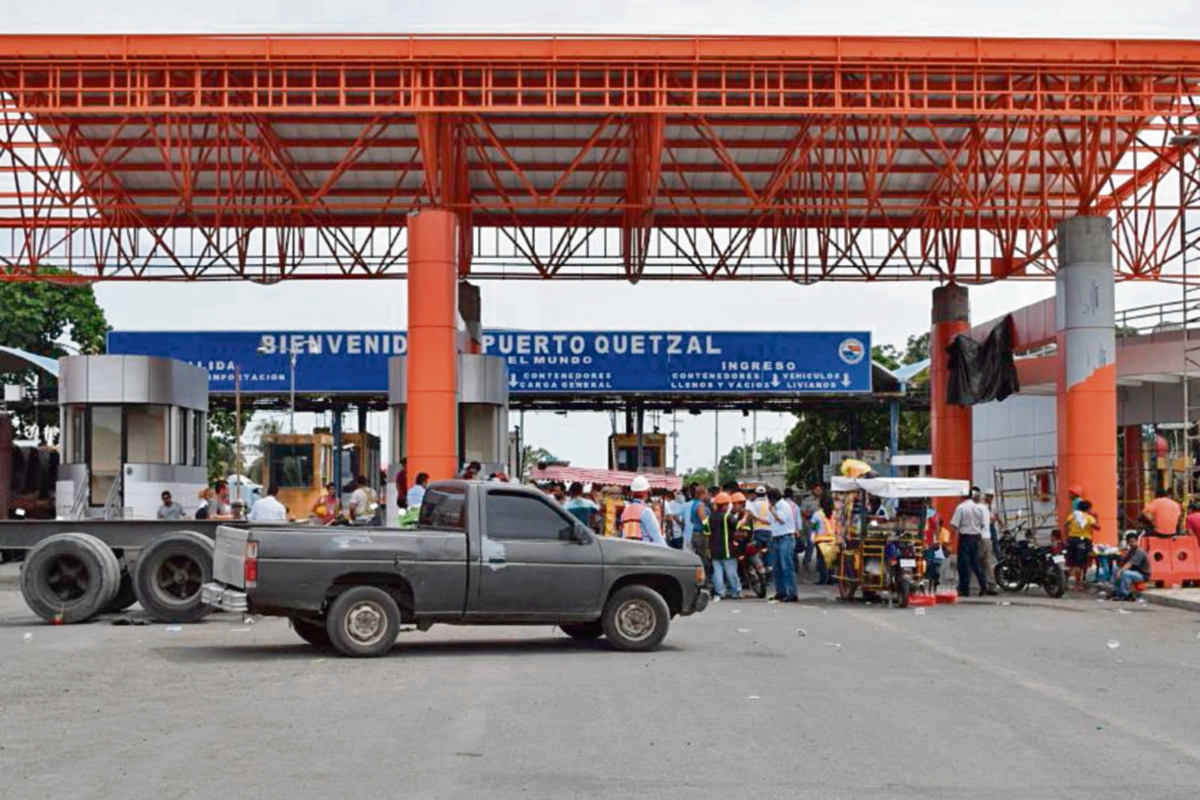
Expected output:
(1174, 561)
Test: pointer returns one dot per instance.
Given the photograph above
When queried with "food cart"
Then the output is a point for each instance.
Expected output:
(883, 524)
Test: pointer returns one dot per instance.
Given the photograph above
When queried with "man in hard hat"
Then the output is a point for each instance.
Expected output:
(723, 529)
(637, 519)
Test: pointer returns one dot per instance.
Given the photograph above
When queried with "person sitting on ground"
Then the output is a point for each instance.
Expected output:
(169, 508)
(1080, 525)
(1134, 567)
(268, 509)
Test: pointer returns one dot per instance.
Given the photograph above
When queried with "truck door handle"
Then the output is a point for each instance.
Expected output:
(496, 559)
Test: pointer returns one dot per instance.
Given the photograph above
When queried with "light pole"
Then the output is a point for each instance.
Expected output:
(745, 469)
(292, 352)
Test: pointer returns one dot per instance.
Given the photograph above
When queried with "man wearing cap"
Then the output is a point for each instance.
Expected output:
(637, 519)
(723, 529)
(970, 521)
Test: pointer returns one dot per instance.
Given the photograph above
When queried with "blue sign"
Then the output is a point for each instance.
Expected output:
(539, 362)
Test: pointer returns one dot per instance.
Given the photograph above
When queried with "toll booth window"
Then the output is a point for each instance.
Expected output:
(444, 507)
(627, 458)
(516, 515)
(292, 466)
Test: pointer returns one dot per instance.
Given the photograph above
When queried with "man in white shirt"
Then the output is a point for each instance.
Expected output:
(970, 523)
(268, 509)
(359, 509)
(416, 495)
(783, 547)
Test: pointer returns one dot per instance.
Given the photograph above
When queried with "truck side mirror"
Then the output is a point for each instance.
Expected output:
(579, 534)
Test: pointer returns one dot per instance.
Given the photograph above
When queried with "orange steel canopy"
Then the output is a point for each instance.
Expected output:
(596, 157)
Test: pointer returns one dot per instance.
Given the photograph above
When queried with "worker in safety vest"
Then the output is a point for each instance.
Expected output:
(637, 518)
(824, 540)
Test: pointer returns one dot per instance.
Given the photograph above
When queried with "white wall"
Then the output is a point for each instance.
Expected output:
(1018, 432)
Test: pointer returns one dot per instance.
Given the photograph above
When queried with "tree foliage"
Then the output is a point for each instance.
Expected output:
(222, 450)
(815, 434)
(740, 460)
(37, 315)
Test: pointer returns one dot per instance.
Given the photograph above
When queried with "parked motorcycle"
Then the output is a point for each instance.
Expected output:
(1024, 563)
(752, 566)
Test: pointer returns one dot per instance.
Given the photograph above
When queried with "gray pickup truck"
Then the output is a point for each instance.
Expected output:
(482, 554)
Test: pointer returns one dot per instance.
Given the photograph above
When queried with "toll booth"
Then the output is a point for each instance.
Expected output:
(301, 465)
(132, 427)
(482, 415)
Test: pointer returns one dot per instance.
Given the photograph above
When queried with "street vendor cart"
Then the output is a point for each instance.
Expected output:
(883, 522)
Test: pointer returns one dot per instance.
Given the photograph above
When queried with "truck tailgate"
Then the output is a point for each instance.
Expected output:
(229, 556)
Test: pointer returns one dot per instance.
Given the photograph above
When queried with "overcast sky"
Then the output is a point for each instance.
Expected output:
(891, 312)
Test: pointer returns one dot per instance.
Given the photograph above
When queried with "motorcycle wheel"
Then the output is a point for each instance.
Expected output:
(847, 580)
(759, 585)
(1008, 576)
(1054, 582)
(903, 592)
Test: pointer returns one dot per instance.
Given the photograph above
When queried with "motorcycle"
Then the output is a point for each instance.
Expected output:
(902, 559)
(752, 568)
(1024, 563)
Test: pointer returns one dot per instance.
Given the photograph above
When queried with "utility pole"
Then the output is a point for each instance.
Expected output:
(716, 448)
(754, 442)
(674, 442)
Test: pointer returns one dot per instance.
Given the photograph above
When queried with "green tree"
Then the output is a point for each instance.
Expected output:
(815, 434)
(532, 456)
(740, 461)
(222, 451)
(701, 475)
(36, 316)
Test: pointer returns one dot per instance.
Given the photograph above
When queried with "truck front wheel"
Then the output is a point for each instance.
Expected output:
(363, 622)
(636, 618)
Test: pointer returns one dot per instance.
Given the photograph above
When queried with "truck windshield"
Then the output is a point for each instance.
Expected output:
(444, 507)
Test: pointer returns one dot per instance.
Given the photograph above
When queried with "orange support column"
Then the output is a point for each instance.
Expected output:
(432, 414)
(1087, 369)
(951, 425)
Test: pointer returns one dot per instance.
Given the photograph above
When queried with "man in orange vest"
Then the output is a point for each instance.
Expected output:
(637, 520)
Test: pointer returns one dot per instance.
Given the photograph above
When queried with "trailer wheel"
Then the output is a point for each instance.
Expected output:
(125, 597)
(170, 571)
(69, 577)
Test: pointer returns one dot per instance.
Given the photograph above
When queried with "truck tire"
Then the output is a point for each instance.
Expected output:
(312, 631)
(170, 571)
(636, 618)
(583, 631)
(363, 622)
(125, 596)
(69, 578)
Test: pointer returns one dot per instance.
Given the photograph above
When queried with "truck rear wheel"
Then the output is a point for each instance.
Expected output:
(69, 578)
(583, 631)
(170, 571)
(312, 631)
(636, 618)
(363, 622)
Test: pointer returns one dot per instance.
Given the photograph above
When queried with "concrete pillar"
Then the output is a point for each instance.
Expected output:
(1087, 369)
(339, 480)
(432, 408)
(950, 424)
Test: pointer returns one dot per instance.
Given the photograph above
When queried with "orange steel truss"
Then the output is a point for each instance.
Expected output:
(639, 158)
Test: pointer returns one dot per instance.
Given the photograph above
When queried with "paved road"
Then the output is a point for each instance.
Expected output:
(980, 700)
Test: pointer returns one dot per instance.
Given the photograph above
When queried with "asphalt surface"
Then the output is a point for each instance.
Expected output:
(978, 700)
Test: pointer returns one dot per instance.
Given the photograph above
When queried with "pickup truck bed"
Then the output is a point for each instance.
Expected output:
(483, 553)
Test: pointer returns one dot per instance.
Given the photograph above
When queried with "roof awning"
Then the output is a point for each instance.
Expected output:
(13, 359)
(605, 477)
(903, 487)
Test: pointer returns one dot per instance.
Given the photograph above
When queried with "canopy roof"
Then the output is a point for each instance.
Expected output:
(903, 487)
(605, 477)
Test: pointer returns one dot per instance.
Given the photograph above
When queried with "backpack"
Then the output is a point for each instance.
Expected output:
(202, 512)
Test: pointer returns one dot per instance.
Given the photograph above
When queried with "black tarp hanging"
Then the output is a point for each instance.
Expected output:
(982, 371)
